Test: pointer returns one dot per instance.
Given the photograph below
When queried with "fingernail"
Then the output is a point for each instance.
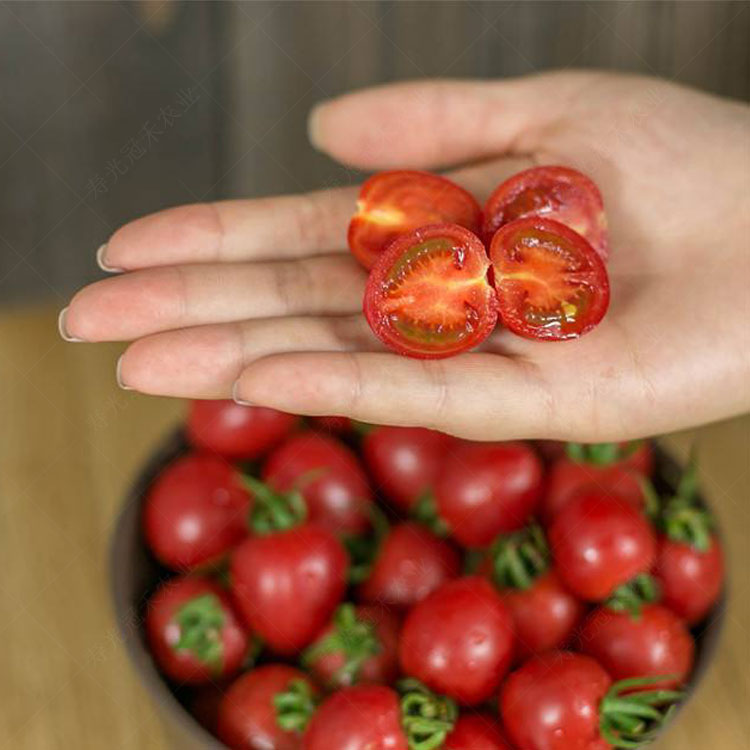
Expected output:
(118, 375)
(63, 330)
(314, 130)
(101, 259)
(235, 395)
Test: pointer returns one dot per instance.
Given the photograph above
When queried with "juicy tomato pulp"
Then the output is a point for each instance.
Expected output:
(558, 193)
(394, 203)
(550, 282)
(428, 295)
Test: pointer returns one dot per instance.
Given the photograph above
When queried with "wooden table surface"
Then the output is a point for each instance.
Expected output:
(71, 442)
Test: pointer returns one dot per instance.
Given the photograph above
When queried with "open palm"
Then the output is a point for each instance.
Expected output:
(262, 296)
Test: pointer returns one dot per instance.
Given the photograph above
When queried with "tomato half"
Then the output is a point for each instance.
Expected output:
(558, 193)
(550, 282)
(428, 294)
(398, 202)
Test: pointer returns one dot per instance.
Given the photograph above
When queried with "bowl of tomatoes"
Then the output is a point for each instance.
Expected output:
(316, 584)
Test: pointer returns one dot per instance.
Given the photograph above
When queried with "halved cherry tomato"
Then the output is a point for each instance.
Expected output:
(550, 282)
(428, 295)
(235, 431)
(196, 511)
(193, 632)
(394, 203)
(476, 732)
(558, 193)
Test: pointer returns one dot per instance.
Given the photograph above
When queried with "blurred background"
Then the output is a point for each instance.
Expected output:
(109, 110)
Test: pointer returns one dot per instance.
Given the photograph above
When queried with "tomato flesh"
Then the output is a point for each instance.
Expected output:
(550, 282)
(428, 295)
(558, 193)
(398, 202)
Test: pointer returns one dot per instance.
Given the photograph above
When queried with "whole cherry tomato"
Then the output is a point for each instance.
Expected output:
(358, 646)
(195, 512)
(405, 461)
(648, 644)
(485, 489)
(235, 431)
(459, 640)
(288, 583)
(193, 632)
(599, 543)
(266, 709)
(329, 477)
(476, 732)
(411, 562)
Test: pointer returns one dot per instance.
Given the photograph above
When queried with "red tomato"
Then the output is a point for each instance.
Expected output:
(288, 583)
(405, 461)
(552, 703)
(235, 431)
(545, 616)
(394, 203)
(359, 645)
(193, 632)
(411, 563)
(329, 477)
(599, 543)
(690, 580)
(428, 295)
(248, 717)
(332, 424)
(485, 489)
(459, 640)
(550, 282)
(476, 732)
(652, 643)
(195, 512)
(558, 193)
(363, 717)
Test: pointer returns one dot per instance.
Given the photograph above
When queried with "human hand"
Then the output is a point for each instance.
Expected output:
(261, 296)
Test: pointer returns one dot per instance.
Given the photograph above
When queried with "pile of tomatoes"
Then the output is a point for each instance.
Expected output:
(340, 586)
(443, 270)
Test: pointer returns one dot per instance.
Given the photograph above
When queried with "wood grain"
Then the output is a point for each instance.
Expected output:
(70, 444)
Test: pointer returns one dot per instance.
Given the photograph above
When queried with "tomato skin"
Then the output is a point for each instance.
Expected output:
(332, 424)
(456, 289)
(379, 668)
(195, 512)
(328, 475)
(559, 193)
(486, 489)
(163, 632)
(422, 198)
(363, 717)
(411, 563)
(247, 715)
(656, 642)
(476, 732)
(690, 580)
(552, 703)
(551, 285)
(459, 640)
(235, 431)
(545, 616)
(405, 461)
(288, 583)
(599, 543)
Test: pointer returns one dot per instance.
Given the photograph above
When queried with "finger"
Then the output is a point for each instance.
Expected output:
(205, 362)
(460, 395)
(436, 123)
(145, 302)
(263, 229)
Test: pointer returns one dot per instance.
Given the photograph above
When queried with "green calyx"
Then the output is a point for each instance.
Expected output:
(353, 637)
(363, 548)
(294, 706)
(519, 558)
(273, 511)
(633, 712)
(632, 596)
(201, 620)
(425, 511)
(427, 719)
(600, 454)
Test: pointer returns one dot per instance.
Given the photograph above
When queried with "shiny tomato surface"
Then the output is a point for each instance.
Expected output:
(476, 732)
